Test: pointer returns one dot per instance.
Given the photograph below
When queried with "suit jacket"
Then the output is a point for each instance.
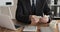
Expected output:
(24, 9)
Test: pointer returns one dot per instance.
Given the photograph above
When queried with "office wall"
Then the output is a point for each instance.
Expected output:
(5, 10)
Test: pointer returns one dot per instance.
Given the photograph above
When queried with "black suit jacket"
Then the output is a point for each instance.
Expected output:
(24, 9)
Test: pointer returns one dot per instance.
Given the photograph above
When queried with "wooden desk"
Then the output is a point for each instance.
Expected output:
(56, 30)
(7, 30)
(21, 29)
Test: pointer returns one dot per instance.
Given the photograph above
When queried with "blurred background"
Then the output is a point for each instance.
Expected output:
(54, 5)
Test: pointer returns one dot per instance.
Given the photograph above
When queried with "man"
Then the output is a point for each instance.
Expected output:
(31, 11)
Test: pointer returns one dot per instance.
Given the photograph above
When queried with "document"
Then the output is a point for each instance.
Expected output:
(46, 29)
(30, 28)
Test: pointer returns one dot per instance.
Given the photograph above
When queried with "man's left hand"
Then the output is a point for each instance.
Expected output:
(44, 19)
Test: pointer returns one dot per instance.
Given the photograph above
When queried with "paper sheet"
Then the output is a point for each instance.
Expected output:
(46, 29)
(30, 28)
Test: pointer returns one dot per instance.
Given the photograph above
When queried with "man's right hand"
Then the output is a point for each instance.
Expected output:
(34, 19)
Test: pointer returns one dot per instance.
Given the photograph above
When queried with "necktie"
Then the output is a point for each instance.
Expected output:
(33, 7)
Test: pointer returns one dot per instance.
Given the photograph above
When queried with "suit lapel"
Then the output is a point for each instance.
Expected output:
(38, 4)
(27, 6)
(39, 7)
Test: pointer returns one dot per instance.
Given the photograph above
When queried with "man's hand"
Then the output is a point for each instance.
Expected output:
(44, 19)
(34, 19)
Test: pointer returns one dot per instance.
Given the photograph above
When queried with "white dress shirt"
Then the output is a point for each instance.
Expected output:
(34, 2)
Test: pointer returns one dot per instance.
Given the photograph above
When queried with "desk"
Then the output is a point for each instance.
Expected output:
(7, 30)
(21, 29)
(56, 30)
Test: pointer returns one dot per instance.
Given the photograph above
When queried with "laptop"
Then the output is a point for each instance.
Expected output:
(6, 21)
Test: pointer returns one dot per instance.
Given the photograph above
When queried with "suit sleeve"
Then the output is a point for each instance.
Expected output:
(19, 14)
(47, 11)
